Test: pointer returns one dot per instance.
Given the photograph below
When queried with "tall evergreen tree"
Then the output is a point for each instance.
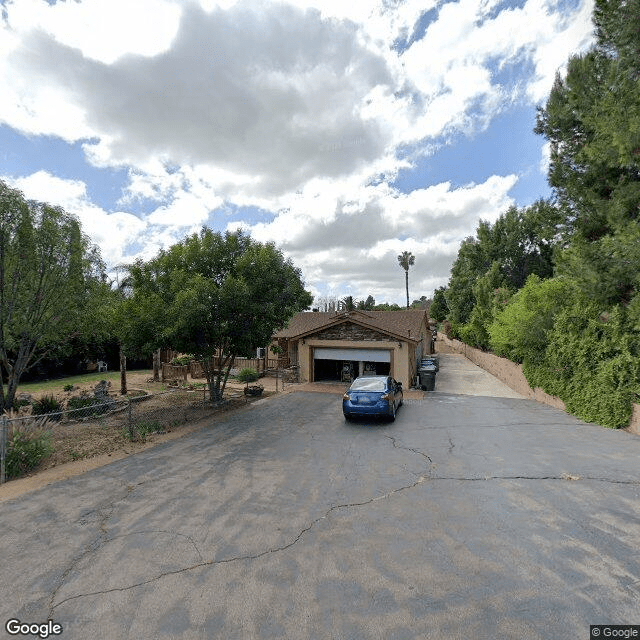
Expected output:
(592, 120)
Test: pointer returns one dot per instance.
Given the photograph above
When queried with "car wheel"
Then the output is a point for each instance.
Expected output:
(347, 418)
(393, 413)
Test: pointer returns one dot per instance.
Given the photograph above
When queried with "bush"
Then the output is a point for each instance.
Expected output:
(45, 406)
(26, 450)
(98, 405)
(182, 361)
(67, 387)
(247, 375)
(80, 402)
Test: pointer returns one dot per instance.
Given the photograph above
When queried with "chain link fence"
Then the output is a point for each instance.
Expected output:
(100, 426)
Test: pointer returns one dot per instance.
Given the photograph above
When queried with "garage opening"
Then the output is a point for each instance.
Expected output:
(345, 365)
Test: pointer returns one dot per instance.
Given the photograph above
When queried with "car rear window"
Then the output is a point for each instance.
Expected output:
(369, 384)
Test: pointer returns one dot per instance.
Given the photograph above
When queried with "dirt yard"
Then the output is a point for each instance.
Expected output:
(87, 445)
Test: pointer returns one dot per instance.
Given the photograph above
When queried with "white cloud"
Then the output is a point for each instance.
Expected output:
(278, 94)
(304, 109)
(353, 241)
(113, 232)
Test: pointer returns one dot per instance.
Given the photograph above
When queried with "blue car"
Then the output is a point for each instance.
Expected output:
(372, 396)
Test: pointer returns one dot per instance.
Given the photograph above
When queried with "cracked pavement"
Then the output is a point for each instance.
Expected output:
(469, 516)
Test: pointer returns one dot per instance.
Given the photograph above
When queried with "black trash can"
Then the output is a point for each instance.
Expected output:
(427, 375)
(430, 360)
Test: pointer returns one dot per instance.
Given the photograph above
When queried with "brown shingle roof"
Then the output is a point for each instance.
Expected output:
(405, 323)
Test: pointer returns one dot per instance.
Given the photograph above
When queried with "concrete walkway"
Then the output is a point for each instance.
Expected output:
(457, 375)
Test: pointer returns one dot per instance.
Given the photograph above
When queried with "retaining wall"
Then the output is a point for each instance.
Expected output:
(511, 374)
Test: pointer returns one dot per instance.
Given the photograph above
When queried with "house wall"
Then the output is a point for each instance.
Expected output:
(400, 365)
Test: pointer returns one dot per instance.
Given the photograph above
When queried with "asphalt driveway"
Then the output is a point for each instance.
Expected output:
(469, 517)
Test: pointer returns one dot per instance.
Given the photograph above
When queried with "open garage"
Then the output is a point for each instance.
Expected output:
(347, 364)
(342, 346)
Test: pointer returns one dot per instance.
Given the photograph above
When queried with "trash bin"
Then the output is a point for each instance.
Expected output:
(430, 360)
(427, 375)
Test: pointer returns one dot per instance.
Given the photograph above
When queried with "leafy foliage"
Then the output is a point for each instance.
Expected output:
(26, 449)
(557, 287)
(502, 255)
(212, 295)
(247, 375)
(47, 405)
(439, 308)
(50, 277)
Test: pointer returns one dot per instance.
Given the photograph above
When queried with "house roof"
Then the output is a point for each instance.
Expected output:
(403, 324)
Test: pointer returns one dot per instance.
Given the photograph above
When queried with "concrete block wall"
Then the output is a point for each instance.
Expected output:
(511, 374)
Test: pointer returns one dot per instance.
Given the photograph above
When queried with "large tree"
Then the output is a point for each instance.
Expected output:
(592, 121)
(406, 259)
(214, 296)
(50, 278)
(521, 242)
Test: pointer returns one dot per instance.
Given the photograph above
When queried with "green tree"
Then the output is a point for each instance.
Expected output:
(386, 306)
(520, 330)
(215, 296)
(50, 279)
(366, 305)
(347, 303)
(592, 121)
(406, 260)
(521, 242)
(439, 308)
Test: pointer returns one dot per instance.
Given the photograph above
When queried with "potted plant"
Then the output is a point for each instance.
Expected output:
(247, 376)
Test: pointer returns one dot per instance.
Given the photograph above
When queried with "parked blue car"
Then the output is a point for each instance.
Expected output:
(372, 396)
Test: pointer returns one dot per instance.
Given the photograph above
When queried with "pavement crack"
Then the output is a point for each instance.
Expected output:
(416, 451)
(210, 563)
(565, 477)
(102, 516)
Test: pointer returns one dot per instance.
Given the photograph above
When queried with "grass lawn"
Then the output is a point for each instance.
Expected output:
(54, 386)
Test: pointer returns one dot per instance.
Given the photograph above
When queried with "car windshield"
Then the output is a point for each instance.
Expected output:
(369, 384)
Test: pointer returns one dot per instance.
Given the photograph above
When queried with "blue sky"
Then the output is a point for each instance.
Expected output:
(346, 133)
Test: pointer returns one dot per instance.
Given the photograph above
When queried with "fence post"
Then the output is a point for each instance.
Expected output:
(3, 448)
(130, 414)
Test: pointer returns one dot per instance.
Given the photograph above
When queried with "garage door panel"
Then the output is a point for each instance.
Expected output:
(367, 355)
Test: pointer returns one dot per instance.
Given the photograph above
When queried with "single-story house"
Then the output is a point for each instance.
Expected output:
(343, 345)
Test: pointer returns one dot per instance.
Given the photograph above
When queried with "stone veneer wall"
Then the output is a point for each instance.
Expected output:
(511, 374)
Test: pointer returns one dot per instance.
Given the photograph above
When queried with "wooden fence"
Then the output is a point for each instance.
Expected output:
(195, 369)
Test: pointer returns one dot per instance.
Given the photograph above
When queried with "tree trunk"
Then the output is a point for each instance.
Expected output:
(406, 278)
(156, 365)
(14, 373)
(123, 373)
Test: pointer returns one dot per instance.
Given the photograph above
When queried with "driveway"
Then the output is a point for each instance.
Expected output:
(471, 516)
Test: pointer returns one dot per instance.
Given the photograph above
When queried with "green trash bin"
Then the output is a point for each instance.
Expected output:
(427, 375)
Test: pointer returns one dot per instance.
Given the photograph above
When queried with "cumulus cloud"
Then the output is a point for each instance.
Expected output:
(354, 246)
(304, 109)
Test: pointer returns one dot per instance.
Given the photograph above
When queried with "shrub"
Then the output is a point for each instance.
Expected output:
(67, 387)
(97, 405)
(143, 429)
(45, 406)
(247, 375)
(26, 449)
(80, 402)
(182, 361)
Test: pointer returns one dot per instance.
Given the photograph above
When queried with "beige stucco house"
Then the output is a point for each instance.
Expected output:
(344, 345)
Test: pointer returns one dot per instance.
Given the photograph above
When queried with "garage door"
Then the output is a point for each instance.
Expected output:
(367, 355)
